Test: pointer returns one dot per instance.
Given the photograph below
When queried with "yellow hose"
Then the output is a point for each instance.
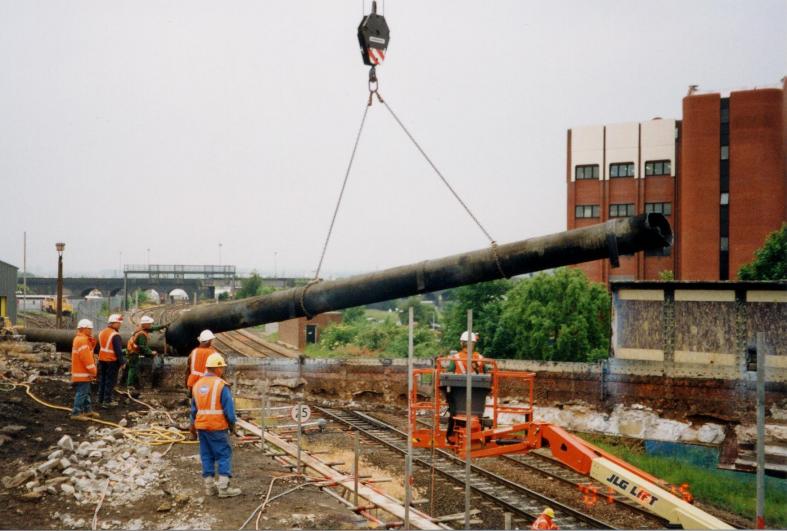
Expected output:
(153, 436)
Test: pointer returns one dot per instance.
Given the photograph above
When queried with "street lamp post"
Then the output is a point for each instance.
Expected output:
(219, 253)
(60, 247)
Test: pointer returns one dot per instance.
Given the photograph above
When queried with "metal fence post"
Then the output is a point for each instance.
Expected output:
(468, 413)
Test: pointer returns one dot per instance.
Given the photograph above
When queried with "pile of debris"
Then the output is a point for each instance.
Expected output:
(111, 465)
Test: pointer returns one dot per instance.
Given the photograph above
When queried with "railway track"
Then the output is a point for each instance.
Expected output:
(524, 503)
(250, 345)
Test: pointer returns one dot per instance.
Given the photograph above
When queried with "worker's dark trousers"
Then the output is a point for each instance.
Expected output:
(81, 398)
(107, 378)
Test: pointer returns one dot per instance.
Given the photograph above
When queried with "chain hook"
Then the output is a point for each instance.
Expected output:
(373, 86)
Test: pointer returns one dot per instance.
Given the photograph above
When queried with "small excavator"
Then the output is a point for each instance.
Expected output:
(493, 428)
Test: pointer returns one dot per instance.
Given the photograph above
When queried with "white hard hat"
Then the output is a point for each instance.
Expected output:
(146, 319)
(115, 318)
(85, 323)
(465, 337)
(205, 336)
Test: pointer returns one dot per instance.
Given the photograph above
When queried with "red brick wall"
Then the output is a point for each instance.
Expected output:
(699, 188)
(757, 172)
(293, 331)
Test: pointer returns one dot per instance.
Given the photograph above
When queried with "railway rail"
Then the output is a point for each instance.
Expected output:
(524, 503)
(250, 345)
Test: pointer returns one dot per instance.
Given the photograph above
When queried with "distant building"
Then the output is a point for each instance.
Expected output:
(299, 332)
(8, 290)
(718, 175)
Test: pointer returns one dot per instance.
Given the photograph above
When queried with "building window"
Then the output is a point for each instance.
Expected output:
(725, 152)
(621, 169)
(725, 198)
(657, 167)
(587, 211)
(621, 210)
(658, 208)
(724, 244)
(588, 171)
(725, 115)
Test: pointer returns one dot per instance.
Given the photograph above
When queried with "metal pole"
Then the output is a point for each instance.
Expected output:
(24, 273)
(408, 471)
(468, 413)
(60, 289)
(264, 413)
(298, 470)
(762, 346)
(125, 291)
(356, 468)
(506, 520)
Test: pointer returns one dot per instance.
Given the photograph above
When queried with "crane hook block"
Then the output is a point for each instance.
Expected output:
(373, 36)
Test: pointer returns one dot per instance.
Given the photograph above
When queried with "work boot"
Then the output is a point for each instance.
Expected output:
(93, 414)
(210, 486)
(225, 491)
(79, 416)
(113, 403)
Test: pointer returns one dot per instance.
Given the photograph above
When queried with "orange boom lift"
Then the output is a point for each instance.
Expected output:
(493, 428)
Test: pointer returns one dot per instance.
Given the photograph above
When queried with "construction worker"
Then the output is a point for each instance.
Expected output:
(212, 418)
(110, 360)
(83, 370)
(195, 366)
(544, 520)
(139, 353)
(458, 361)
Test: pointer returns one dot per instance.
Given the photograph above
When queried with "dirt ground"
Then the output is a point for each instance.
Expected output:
(177, 501)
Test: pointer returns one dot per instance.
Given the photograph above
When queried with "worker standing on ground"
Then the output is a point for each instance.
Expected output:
(139, 354)
(195, 366)
(544, 520)
(213, 417)
(110, 360)
(83, 370)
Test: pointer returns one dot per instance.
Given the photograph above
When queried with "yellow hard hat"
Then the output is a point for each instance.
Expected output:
(549, 512)
(215, 360)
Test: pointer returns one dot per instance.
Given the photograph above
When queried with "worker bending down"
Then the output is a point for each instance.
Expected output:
(110, 360)
(195, 366)
(83, 370)
(213, 417)
(544, 520)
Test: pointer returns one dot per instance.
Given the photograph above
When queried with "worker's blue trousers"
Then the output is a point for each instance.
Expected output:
(214, 446)
(82, 398)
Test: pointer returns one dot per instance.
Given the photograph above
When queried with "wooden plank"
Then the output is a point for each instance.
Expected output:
(417, 518)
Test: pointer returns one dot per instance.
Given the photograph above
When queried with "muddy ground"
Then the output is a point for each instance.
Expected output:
(176, 501)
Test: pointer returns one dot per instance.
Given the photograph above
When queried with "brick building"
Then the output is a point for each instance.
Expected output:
(299, 332)
(718, 174)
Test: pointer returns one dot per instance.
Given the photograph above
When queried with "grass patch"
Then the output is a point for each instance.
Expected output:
(732, 491)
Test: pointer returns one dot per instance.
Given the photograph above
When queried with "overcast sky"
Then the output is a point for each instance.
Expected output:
(179, 125)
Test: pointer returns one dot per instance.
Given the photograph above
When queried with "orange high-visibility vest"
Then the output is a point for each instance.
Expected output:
(197, 359)
(83, 367)
(131, 346)
(460, 361)
(106, 352)
(207, 396)
(543, 522)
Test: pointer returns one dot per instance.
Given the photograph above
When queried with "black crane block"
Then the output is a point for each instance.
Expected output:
(373, 36)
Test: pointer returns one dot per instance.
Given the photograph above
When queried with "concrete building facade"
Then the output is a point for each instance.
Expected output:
(8, 290)
(719, 175)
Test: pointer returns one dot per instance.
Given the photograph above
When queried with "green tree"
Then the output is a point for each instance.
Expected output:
(252, 286)
(770, 260)
(422, 313)
(356, 314)
(485, 299)
(560, 317)
(666, 275)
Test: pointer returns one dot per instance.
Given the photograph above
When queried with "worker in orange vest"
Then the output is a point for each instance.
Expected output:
(195, 366)
(212, 418)
(110, 360)
(458, 361)
(83, 370)
(544, 520)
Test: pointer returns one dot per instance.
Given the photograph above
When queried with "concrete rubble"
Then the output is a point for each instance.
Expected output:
(108, 461)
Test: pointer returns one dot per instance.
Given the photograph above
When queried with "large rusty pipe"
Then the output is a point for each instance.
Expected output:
(64, 338)
(620, 236)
